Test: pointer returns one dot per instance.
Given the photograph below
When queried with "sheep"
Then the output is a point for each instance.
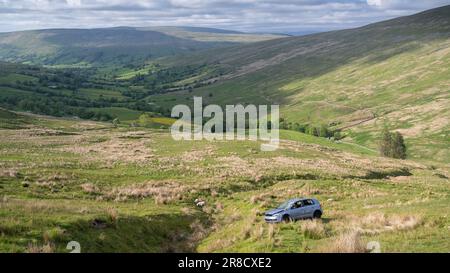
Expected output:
(199, 203)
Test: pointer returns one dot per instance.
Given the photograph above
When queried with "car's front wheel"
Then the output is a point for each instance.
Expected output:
(317, 214)
(287, 218)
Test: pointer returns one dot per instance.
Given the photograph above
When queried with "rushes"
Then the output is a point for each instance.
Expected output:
(372, 224)
(313, 229)
(49, 237)
(404, 222)
(46, 248)
(349, 242)
(271, 232)
(90, 188)
(113, 215)
(162, 192)
(53, 235)
(376, 223)
(9, 173)
(4, 199)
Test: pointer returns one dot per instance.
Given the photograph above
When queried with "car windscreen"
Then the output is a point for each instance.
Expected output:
(285, 205)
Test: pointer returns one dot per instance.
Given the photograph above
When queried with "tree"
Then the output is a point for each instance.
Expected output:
(392, 145)
(337, 135)
(312, 130)
(323, 131)
(302, 128)
(398, 146)
(116, 122)
(145, 120)
(386, 143)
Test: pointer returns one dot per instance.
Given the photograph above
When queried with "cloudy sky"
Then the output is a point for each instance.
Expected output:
(287, 16)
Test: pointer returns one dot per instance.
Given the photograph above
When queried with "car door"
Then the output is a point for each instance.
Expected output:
(296, 210)
(308, 208)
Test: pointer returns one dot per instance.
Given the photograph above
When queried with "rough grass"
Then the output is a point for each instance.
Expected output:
(133, 190)
(313, 229)
(347, 243)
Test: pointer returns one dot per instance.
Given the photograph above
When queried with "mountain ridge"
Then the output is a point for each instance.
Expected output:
(117, 45)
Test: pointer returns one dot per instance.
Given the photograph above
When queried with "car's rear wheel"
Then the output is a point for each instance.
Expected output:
(317, 214)
(287, 218)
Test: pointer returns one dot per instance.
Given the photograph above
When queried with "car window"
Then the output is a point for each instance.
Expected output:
(297, 205)
(308, 202)
(285, 205)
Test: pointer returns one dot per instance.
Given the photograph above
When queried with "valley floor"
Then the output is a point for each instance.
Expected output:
(133, 190)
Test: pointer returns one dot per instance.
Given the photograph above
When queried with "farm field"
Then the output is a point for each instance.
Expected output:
(130, 189)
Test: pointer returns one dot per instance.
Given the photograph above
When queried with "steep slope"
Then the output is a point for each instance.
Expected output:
(393, 73)
(121, 45)
(352, 43)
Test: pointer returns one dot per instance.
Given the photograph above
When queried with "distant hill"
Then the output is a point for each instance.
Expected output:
(120, 45)
(394, 73)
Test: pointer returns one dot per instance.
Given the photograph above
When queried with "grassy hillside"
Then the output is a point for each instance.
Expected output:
(132, 190)
(393, 73)
(215, 35)
(112, 46)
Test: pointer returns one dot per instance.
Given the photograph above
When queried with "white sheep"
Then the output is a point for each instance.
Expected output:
(201, 204)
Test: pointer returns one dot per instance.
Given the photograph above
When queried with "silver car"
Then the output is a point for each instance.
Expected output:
(295, 209)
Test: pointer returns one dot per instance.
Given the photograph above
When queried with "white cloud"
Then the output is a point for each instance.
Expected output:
(406, 4)
(74, 3)
(246, 15)
(377, 3)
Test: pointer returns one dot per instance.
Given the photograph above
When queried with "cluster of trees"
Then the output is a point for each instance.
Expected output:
(53, 107)
(317, 131)
(94, 115)
(48, 93)
(61, 80)
(51, 86)
(145, 120)
(392, 145)
(48, 101)
(71, 99)
(314, 130)
(165, 80)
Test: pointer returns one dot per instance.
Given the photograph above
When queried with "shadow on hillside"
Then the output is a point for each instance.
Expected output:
(130, 234)
(328, 52)
(378, 175)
